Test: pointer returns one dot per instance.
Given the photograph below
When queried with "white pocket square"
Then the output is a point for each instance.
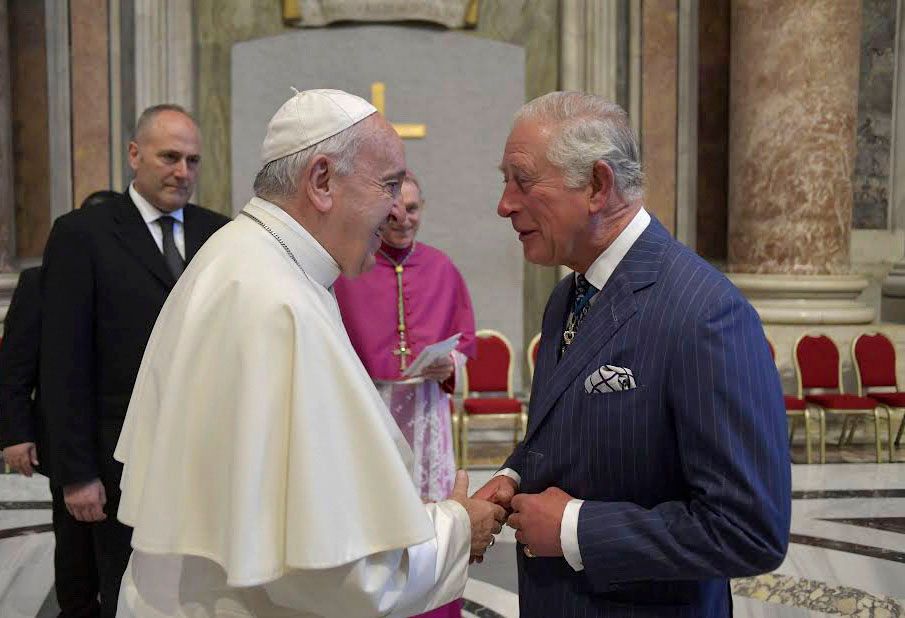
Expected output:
(610, 379)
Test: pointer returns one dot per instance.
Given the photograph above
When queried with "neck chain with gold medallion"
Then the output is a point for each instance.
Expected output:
(403, 350)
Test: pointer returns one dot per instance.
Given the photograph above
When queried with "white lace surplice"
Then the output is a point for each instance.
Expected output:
(422, 412)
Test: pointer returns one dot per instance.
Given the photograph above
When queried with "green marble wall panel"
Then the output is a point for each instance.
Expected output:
(220, 23)
(871, 180)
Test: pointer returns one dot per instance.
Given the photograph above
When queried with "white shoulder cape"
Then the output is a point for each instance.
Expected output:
(254, 436)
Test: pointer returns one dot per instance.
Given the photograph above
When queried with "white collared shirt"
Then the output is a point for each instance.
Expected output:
(597, 275)
(602, 269)
(151, 214)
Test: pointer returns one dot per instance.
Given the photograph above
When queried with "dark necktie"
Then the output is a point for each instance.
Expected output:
(581, 304)
(170, 253)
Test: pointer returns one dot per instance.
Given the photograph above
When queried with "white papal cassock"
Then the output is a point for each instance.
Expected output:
(263, 474)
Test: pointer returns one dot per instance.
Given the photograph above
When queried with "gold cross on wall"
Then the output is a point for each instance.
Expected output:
(405, 131)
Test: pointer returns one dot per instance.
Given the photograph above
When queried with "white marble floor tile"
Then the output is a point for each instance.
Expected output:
(26, 574)
(26, 561)
(498, 599)
(18, 487)
(879, 577)
(18, 519)
(808, 519)
(848, 476)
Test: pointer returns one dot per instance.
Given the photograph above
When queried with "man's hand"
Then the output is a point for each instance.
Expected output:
(499, 490)
(440, 370)
(537, 519)
(85, 501)
(21, 457)
(486, 518)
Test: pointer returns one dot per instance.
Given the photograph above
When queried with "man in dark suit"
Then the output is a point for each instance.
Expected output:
(23, 437)
(23, 432)
(655, 465)
(108, 269)
(22, 429)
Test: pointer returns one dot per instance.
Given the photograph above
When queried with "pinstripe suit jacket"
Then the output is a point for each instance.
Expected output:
(686, 478)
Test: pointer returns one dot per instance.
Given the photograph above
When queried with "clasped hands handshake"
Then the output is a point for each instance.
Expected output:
(536, 518)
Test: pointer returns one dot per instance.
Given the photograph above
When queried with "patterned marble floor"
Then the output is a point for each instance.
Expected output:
(847, 556)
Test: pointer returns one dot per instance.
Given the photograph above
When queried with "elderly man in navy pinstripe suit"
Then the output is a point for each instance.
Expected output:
(655, 464)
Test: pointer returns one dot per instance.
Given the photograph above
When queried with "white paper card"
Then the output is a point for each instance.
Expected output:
(432, 354)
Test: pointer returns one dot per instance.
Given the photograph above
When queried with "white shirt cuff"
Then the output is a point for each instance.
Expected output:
(515, 476)
(568, 534)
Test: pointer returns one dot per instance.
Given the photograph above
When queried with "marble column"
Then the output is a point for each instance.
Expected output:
(792, 109)
(589, 52)
(688, 60)
(32, 122)
(659, 106)
(7, 190)
(59, 110)
(164, 53)
(90, 83)
(712, 186)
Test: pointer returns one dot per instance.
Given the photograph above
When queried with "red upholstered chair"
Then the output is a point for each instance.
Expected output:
(818, 369)
(490, 372)
(874, 358)
(796, 408)
(531, 353)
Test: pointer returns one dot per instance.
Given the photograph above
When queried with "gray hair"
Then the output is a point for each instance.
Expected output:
(590, 129)
(148, 116)
(279, 178)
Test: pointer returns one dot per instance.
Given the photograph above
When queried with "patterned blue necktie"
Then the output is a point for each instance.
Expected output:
(581, 304)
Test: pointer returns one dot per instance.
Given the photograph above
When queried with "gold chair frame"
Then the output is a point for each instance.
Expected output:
(521, 418)
(535, 341)
(456, 429)
(875, 412)
(859, 386)
(794, 415)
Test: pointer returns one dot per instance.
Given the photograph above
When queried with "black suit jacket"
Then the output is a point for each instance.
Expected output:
(20, 420)
(103, 285)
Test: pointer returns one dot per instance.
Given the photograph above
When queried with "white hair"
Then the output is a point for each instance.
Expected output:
(279, 178)
(589, 129)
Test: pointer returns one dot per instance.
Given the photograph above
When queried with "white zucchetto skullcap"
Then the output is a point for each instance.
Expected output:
(309, 118)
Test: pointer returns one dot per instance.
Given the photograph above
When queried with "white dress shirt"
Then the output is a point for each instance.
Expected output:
(597, 275)
(151, 214)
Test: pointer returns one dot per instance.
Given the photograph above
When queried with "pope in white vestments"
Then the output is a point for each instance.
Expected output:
(263, 474)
